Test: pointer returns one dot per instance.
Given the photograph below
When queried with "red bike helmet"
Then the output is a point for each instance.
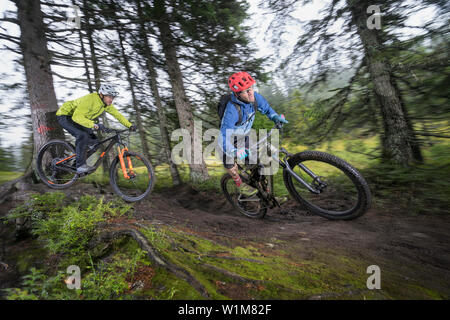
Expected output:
(240, 81)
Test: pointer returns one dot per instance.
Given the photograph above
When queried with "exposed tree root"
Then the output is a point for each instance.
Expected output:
(118, 231)
(110, 232)
(231, 258)
(230, 274)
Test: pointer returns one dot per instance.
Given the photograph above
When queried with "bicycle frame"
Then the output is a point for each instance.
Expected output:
(116, 139)
(284, 163)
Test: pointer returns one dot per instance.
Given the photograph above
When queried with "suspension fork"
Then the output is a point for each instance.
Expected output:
(122, 163)
(285, 164)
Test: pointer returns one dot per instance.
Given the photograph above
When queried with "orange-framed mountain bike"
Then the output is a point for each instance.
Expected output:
(131, 174)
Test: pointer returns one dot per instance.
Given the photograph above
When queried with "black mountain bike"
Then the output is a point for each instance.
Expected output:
(322, 183)
(131, 174)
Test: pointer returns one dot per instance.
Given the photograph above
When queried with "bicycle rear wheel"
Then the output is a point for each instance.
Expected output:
(252, 207)
(141, 177)
(340, 190)
(56, 164)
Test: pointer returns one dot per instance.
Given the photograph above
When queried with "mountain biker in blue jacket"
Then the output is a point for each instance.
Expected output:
(241, 83)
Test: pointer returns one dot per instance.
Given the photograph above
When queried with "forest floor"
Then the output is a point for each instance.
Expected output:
(289, 254)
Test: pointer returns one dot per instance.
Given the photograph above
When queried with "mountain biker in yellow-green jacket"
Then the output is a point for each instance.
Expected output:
(79, 118)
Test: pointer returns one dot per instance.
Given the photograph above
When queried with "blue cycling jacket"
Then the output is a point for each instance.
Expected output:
(231, 116)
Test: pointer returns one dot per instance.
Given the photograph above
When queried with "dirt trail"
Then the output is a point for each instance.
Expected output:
(416, 247)
(411, 248)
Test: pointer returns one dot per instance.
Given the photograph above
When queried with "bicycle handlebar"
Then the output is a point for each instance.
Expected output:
(109, 130)
(277, 125)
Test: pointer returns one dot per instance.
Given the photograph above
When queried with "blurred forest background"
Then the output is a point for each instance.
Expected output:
(375, 95)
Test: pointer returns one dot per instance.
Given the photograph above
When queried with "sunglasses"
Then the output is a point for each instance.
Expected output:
(247, 90)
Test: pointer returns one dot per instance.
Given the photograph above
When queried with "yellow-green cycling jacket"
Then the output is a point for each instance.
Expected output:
(86, 109)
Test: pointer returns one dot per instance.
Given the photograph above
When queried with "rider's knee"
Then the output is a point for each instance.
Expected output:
(232, 170)
(83, 136)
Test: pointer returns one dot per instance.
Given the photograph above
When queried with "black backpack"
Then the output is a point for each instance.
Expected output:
(223, 104)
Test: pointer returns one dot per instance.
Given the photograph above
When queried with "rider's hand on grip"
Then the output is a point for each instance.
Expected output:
(279, 119)
(242, 153)
(100, 127)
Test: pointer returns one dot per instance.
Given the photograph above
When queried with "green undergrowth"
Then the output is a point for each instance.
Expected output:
(227, 268)
(61, 231)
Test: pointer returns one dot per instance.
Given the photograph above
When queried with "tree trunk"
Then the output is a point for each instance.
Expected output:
(152, 77)
(88, 28)
(85, 60)
(398, 142)
(199, 171)
(133, 96)
(33, 44)
(97, 76)
(86, 66)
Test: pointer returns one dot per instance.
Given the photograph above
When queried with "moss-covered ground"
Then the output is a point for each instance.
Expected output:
(227, 267)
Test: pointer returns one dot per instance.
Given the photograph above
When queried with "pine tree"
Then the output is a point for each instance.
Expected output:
(371, 51)
(36, 58)
(146, 52)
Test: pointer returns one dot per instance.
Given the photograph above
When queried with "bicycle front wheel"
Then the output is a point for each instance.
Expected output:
(338, 189)
(138, 181)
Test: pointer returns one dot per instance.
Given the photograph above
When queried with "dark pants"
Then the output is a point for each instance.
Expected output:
(84, 136)
(228, 162)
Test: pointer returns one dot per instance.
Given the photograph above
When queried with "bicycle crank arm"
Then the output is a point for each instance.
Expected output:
(308, 186)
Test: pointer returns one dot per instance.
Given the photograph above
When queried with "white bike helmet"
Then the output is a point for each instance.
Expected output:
(108, 90)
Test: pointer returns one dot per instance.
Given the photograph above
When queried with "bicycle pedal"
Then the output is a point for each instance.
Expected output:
(281, 200)
(82, 174)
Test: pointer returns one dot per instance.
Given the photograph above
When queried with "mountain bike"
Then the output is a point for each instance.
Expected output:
(131, 174)
(322, 183)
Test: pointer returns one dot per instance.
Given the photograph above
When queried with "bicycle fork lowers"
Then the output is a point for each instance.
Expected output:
(122, 163)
